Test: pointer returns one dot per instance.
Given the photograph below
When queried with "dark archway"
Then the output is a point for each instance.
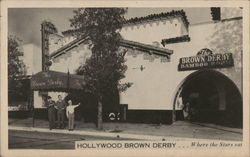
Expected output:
(213, 98)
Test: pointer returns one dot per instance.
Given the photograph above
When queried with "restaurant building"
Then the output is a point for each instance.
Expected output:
(171, 62)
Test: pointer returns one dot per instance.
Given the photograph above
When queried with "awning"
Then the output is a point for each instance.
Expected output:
(56, 81)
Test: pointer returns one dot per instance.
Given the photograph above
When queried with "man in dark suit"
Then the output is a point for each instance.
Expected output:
(51, 112)
(60, 106)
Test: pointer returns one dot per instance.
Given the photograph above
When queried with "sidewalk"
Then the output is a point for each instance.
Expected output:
(180, 130)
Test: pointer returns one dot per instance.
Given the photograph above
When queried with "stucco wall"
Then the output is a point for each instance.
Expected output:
(156, 86)
(230, 12)
(149, 32)
(55, 42)
(71, 60)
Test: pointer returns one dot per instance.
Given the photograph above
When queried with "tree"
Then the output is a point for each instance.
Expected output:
(16, 66)
(106, 66)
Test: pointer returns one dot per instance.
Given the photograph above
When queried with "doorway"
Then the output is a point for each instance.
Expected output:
(211, 98)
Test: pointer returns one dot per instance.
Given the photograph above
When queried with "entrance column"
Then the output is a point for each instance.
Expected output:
(176, 103)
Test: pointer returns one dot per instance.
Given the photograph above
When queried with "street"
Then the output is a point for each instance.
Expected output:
(38, 140)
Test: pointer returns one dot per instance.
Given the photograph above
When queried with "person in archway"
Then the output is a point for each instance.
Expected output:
(180, 105)
(60, 106)
(186, 111)
(70, 112)
(51, 112)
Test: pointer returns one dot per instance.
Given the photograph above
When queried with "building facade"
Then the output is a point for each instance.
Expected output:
(171, 62)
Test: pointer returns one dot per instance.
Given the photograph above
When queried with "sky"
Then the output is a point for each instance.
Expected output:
(25, 23)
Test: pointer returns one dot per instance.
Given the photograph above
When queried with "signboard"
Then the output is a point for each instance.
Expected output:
(206, 60)
(49, 83)
(56, 81)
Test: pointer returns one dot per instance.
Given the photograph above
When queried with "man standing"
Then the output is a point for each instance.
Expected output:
(187, 111)
(60, 106)
(70, 112)
(51, 112)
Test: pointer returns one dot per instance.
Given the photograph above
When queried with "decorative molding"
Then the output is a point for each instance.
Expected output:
(164, 59)
(146, 48)
(171, 21)
(68, 47)
(157, 23)
(161, 16)
(147, 56)
(136, 48)
(145, 19)
(184, 38)
(69, 32)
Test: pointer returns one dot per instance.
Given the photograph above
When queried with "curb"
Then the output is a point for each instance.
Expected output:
(110, 135)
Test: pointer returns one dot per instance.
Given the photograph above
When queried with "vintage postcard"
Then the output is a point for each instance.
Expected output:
(124, 78)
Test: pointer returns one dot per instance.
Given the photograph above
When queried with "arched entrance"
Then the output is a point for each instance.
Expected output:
(212, 98)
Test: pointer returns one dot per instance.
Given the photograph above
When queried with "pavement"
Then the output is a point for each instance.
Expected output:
(47, 140)
(180, 130)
